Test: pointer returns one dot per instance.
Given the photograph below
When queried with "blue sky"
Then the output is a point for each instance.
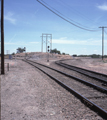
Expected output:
(26, 20)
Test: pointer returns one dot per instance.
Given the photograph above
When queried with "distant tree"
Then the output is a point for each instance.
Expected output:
(58, 52)
(55, 51)
(13, 53)
(92, 56)
(105, 56)
(63, 53)
(20, 50)
(95, 56)
(83, 56)
(74, 55)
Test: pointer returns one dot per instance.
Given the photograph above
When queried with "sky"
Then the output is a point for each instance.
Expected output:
(74, 25)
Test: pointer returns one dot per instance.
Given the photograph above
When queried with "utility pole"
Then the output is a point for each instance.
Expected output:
(51, 42)
(2, 37)
(46, 41)
(42, 44)
(102, 41)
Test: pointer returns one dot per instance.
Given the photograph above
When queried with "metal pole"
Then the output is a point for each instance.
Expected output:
(51, 41)
(102, 42)
(47, 35)
(42, 43)
(8, 66)
(25, 52)
(2, 37)
(48, 55)
(46, 43)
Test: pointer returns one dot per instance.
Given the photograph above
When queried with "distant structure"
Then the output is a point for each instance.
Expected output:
(10, 57)
(102, 41)
(8, 52)
(47, 39)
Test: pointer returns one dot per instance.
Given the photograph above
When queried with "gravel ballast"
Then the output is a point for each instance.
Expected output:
(28, 94)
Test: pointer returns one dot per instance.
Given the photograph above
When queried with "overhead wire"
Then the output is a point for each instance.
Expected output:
(78, 12)
(75, 10)
(64, 18)
(62, 14)
(105, 31)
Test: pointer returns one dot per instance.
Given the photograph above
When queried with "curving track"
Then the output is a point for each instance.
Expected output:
(92, 95)
(98, 76)
(90, 76)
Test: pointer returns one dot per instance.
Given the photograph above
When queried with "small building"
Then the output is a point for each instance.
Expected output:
(10, 56)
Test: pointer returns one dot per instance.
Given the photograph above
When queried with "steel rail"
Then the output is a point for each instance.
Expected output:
(103, 90)
(83, 68)
(83, 99)
(69, 67)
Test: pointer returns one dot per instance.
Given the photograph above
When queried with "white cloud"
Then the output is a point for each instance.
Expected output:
(63, 38)
(79, 42)
(103, 7)
(9, 17)
(95, 50)
(8, 43)
(21, 43)
(34, 42)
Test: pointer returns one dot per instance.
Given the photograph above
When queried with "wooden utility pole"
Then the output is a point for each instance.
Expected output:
(2, 37)
(102, 41)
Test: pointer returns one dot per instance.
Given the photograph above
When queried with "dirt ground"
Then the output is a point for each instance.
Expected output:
(27, 94)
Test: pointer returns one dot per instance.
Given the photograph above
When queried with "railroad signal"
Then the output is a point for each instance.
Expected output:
(24, 48)
(48, 49)
(48, 55)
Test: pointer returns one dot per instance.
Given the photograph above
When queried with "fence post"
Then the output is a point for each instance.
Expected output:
(8, 66)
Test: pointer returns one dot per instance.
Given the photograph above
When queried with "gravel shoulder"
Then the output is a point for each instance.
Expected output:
(28, 94)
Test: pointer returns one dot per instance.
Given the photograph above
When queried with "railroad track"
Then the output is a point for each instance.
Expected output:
(91, 74)
(92, 95)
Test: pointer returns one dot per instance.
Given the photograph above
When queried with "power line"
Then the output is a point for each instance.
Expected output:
(105, 31)
(78, 12)
(75, 10)
(62, 14)
(65, 18)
